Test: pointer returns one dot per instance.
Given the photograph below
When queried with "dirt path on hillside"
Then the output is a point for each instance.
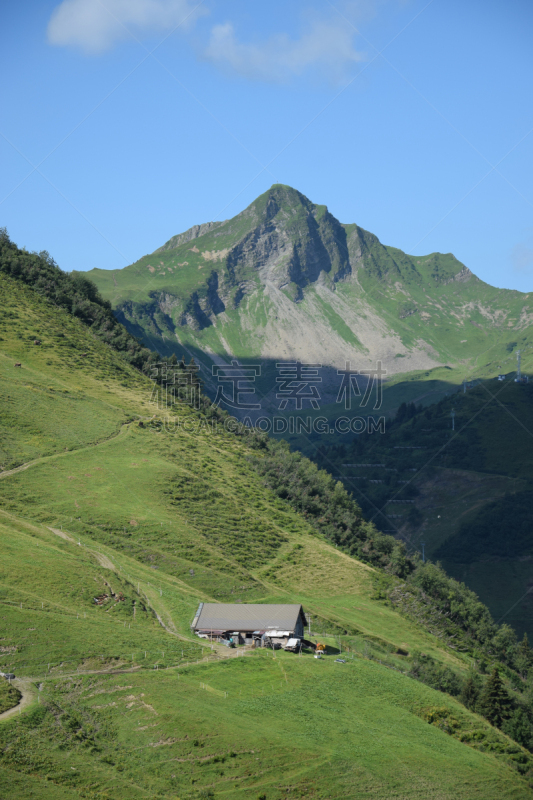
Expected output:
(106, 562)
(63, 535)
(102, 559)
(25, 687)
(123, 430)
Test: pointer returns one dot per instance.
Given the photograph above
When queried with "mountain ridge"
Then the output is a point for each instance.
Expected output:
(284, 280)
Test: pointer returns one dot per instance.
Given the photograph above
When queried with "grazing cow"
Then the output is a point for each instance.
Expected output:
(18, 364)
(36, 341)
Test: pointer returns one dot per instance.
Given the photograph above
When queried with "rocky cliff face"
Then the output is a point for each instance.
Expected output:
(287, 242)
(294, 241)
(202, 307)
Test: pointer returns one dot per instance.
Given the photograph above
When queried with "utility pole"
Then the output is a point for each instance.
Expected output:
(453, 419)
(518, 370)
(423, 552)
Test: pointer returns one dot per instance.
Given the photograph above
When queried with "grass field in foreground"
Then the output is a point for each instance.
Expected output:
(252, 727)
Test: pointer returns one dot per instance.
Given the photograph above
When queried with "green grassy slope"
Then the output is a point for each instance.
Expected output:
(59, 399)
(254, 727)
(165, 519)
(436, 299)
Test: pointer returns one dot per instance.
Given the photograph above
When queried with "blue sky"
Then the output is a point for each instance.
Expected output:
(144, 117)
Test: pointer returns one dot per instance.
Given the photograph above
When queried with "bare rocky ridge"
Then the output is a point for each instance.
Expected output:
(187, 236)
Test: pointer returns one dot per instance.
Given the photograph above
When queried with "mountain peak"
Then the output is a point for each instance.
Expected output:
(287, 194)
(279, 198)
(286, 278)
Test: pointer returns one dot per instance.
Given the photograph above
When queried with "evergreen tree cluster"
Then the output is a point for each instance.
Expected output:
(495, 703)
(326, 504)
(511, 712)
(406, 411)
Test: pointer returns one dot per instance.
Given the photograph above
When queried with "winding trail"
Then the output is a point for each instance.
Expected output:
(26, 686)
(106, 562)
(124, 429)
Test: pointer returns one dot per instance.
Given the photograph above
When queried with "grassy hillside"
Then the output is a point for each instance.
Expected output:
(126, 703)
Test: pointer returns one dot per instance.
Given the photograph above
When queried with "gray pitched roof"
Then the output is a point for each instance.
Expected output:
(247, 616)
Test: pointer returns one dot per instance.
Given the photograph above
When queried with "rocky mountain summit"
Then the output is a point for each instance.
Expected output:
(284, 280)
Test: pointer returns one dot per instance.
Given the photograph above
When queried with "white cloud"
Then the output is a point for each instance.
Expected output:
(522, 257)
(326, 46)
(96, 25)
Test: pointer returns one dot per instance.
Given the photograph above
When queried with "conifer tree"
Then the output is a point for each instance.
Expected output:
(518, 727)
(494, 701)
(470, 692)
(524, 657)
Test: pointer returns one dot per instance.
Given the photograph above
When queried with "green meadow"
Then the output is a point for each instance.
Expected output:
(100, 496)
(254, 727)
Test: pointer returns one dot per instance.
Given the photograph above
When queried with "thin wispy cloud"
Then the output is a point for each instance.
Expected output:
(94, 26)
(326, 46)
